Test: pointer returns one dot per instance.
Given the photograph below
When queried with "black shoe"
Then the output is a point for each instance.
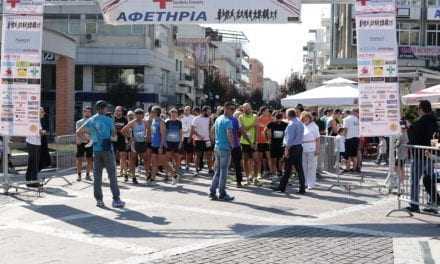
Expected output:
(88, 178)
(79, 178)
(278, 190)
(213, 197)
(227, 198)
(125, 178)
(302, 192)
(135, 181)
(413, 209)
(239, 185)
(430, 210)
(211, 173)
(34, 185)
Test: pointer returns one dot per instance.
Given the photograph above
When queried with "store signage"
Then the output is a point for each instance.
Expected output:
(433, 13)
(419, 52)
(117, 12)
(379, 104)
(20, 87)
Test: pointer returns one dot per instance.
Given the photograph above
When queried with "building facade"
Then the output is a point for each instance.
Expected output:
(271, 90)
(256, 74)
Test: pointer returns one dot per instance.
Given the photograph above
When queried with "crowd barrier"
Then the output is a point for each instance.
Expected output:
(417, 175)
(63, 160)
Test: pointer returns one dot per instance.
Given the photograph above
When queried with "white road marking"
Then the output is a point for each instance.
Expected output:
(80, 237)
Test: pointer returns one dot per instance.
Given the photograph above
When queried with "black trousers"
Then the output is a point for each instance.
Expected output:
(33, 166)
(294, 158)
(236, 162)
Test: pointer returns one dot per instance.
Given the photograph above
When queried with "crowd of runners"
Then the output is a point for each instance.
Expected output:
(255, 145)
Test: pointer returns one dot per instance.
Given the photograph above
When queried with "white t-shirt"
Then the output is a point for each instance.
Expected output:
(201, 127)
(351, 124)
(186, 125)
(340, 144)
(311, 133)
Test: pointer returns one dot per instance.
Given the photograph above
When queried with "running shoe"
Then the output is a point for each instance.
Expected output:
(100, 204)
(226, 198)
(118, 204)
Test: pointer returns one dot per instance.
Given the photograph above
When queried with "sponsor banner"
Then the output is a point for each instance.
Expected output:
(418, 52)
(433, 13)
(20, 70)
(122, 12)
(375, 7)
(379, 101)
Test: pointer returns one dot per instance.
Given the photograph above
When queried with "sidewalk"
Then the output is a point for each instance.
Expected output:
(179, 224)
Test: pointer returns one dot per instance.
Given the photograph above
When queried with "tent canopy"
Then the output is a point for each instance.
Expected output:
(431, 94)
(335, 92)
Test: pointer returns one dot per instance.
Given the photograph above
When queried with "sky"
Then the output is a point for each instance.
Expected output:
(279, 47)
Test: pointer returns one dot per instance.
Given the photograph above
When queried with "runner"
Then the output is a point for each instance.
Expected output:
(138, 131)
(275, 131)
(84, 147)
(263, 147)
(200, 130)
(174, 140)
(248, 122)
(188, 147)
(157, 135)
(121, 145)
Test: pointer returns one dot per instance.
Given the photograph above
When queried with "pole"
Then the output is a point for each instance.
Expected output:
(390, 181)
(5, 163)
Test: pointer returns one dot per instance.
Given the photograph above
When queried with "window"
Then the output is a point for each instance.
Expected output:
(433, 3)
(353, 33)
(48, 80)
(137, 29)
(433, 35)
(164, 80)
(91, 24)
(106, 77)
(78, 78)
(408, 34)
(74, 24)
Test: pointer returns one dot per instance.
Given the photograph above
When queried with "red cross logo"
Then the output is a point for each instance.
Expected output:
(363, 2)
(162, 3)
(13, 3)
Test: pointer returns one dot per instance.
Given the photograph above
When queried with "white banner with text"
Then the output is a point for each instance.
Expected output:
(122, 12)
(377, 51)
(22, 33)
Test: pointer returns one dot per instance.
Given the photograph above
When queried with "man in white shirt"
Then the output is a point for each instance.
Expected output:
(188, 147)
(201, 133)
(351, 126)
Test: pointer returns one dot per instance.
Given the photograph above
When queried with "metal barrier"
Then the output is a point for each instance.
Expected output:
(65, 147)
(418, 174)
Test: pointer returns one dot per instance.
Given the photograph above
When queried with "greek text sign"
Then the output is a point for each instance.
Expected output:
(379, 103)
(21, 67)
(120, 12)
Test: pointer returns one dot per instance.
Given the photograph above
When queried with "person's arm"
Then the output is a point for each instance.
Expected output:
(230, 136)
(162, 136)
(82, 130)
(126, 129)
(286, 141)
(268, 133)
(318, 144)
(181, 135)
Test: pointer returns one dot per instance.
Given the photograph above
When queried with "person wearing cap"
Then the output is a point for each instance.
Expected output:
(102, 129)
(137, 130)
(174, 143)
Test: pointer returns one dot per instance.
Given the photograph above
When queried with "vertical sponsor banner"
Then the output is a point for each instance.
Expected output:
(377, 51)
(22, 32)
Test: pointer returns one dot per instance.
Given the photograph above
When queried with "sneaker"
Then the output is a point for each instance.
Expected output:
(79, 178)
(239, 185)
(213, 197)
(135, 181)
(257, 183)
(100, 204)
(187, 168)
(430, 210)
(118, 204)
(227, 198)
(174, 180)
(88, 178)
(211, 173)
(125, 178)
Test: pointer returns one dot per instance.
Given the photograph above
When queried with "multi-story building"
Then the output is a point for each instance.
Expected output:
(271, 90)
(256, 74)
(418, 31)
(106, 56)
